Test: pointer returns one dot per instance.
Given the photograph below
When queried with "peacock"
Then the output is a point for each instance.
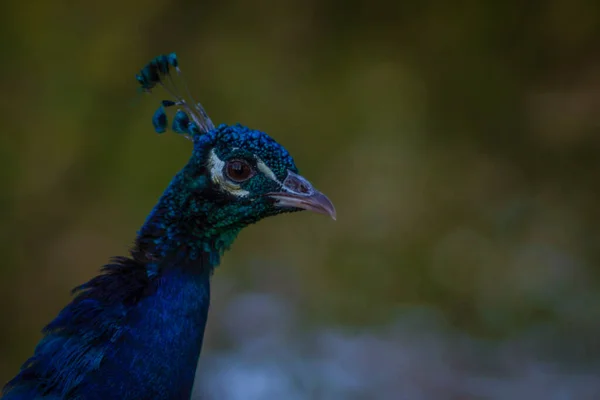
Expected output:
(135, 331)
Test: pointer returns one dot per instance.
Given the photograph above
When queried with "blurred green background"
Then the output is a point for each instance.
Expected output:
(459, 141)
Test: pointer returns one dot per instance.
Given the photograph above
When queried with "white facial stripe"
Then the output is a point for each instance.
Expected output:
(262, 167)
(216, 165)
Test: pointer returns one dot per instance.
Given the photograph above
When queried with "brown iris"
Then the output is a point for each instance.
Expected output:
(238, 170)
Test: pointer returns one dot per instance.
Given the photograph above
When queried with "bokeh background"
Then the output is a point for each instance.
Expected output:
(459, 141)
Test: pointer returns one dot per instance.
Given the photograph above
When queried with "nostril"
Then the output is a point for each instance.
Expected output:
(297, 184)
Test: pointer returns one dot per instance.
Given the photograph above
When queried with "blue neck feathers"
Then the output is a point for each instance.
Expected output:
(179, 249)
(149, 311)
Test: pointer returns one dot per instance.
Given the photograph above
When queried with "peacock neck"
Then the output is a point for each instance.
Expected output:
(179, 232)
(145, 316)
(178, 248)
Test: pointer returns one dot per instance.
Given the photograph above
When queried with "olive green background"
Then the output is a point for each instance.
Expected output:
(459, 142)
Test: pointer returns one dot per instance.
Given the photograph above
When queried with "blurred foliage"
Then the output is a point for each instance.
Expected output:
(459, 142)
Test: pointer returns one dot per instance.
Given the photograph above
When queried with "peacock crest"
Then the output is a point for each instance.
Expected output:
(191, 118)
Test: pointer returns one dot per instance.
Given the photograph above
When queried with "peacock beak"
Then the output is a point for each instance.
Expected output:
(297, 192)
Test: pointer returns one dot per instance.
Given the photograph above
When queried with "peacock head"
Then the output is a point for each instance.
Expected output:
(236, 175)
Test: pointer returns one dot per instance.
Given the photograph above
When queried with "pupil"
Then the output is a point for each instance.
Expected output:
(238, 169)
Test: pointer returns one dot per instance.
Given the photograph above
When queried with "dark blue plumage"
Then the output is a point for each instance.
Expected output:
(136, 330)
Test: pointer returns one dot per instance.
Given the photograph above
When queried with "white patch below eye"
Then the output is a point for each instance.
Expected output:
(216, 165)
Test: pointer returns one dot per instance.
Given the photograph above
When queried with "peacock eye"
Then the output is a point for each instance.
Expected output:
(238, 170)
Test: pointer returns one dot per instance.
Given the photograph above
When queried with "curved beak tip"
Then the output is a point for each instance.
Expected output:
(331, 211)
(319, 203)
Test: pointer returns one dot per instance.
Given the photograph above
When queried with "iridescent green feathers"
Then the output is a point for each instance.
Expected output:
(190, 119)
